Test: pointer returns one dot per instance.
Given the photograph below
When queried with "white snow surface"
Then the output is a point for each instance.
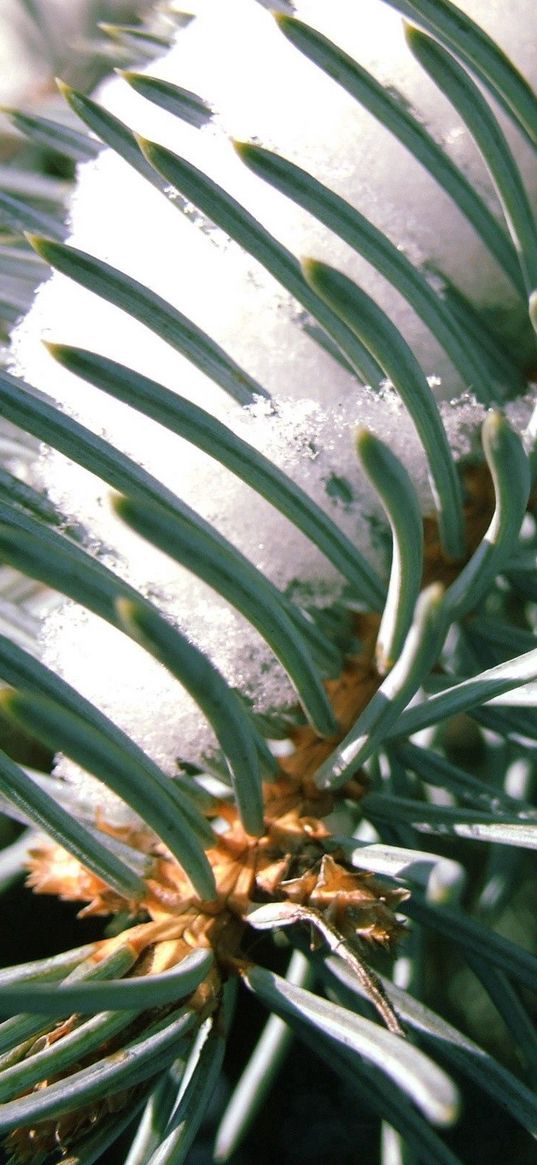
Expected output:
(261, 89)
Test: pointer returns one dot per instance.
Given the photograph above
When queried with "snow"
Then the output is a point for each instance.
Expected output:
(236, 58)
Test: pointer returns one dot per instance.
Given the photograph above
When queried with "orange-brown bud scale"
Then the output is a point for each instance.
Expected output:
(293, 859)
